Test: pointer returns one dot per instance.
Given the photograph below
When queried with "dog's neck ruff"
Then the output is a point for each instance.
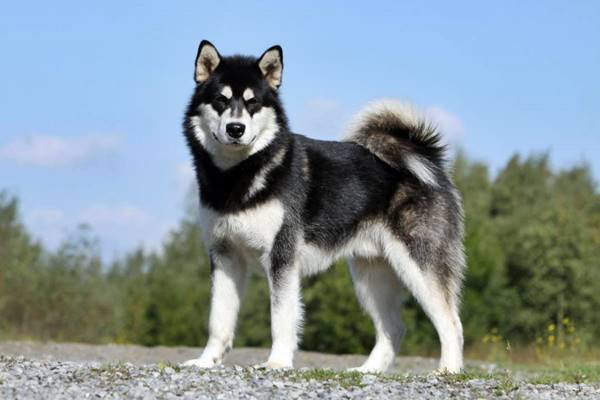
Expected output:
(240, 186)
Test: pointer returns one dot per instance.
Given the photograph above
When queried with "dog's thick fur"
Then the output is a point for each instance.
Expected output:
(382, 199)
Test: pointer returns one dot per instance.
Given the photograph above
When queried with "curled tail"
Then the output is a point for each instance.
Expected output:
(401, 137)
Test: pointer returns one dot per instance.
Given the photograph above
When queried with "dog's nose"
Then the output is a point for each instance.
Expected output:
(235, 130)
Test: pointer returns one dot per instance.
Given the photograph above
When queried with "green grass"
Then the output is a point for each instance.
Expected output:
(465, 376)
(164, 365)
(535, 374)
(505, 383)
(507, 380)
(573, 373)
(114, 370)
(343, 378)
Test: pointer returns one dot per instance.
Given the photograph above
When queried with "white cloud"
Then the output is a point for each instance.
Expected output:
(55, 151)
(450, 124)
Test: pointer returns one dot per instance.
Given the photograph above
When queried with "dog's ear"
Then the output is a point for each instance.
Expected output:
(271, 65)
(207, 60)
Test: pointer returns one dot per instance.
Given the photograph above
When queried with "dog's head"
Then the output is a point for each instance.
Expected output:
(235, 108)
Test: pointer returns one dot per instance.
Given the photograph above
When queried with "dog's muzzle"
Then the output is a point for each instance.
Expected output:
(235, 130)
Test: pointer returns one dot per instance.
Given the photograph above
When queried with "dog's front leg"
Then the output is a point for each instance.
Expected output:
(229, 277)
(286, 306)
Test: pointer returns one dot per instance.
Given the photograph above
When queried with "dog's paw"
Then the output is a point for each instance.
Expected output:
(201, 362)
(273, 365)
(447, 371)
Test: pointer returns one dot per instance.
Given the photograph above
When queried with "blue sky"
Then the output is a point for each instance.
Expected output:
(93, 93)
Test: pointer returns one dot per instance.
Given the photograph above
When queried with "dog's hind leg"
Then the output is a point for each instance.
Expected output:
(229, 277)
(439, 302)
(379, 292)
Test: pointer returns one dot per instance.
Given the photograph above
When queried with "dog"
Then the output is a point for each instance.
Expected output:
(381, 198)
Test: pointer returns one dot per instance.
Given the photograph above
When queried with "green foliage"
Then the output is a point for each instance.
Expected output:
(255, 317)
(334, 321)
(164, 297)
(58, 296)
(532, 241)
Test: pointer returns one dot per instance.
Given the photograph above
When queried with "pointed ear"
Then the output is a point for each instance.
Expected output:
(271, 65)
(207, 61)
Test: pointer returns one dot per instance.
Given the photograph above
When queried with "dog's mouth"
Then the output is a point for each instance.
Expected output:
(234, 142)
(215, 136)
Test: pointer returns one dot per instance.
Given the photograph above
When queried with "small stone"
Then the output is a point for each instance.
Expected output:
(169, 370)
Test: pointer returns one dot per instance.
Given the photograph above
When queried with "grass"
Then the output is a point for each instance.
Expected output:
(344, 378)
(505, 385)
(569, 373)
(114, 370)
(162, 366)
(506, 380)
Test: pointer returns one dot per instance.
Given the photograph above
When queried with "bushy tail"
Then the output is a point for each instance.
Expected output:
(401, 137)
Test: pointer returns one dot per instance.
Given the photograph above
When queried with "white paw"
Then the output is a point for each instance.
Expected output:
(274, 365)
(202, 362)
(447, 370)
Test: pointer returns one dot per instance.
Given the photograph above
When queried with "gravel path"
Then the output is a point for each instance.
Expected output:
(139, 355)
(73, 371)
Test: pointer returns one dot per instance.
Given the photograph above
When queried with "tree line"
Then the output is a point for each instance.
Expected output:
(532, 242)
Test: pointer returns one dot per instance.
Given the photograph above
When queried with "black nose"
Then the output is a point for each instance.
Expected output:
(235, 130)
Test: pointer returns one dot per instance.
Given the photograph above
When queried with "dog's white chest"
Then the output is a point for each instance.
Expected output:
(253, 228)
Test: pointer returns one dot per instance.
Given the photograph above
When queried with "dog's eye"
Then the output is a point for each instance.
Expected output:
(251, 101)
(221, 99)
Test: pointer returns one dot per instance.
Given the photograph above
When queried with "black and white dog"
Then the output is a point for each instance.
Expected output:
(381, 198)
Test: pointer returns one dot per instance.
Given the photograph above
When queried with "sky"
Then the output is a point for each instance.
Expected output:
(92, 93)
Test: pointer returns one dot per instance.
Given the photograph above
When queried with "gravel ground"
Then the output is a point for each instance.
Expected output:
(69, 371)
